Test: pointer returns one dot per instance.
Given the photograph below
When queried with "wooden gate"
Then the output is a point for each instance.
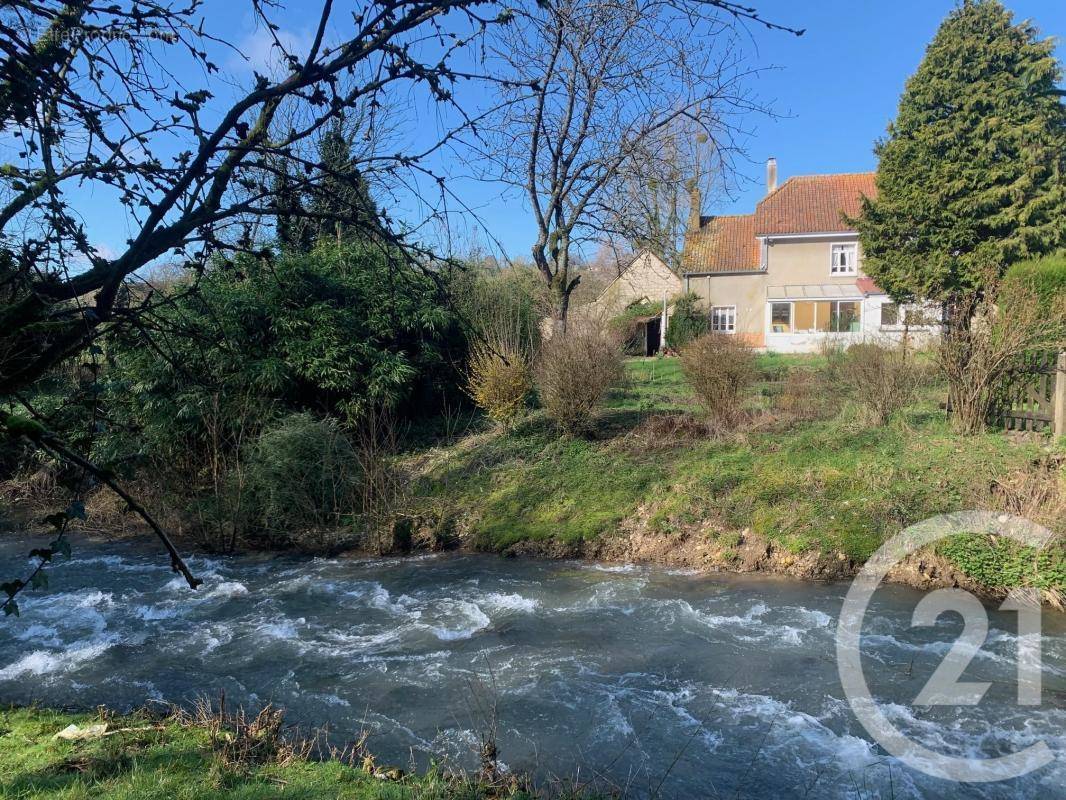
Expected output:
(1034, 397)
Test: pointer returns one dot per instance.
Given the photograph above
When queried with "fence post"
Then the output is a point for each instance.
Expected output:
(1059, 407)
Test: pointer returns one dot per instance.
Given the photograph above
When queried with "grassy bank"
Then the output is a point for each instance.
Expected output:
(145, 757)
(835, 486)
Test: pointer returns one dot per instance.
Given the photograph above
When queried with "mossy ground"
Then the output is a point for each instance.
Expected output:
(839, 484)
(178, 761)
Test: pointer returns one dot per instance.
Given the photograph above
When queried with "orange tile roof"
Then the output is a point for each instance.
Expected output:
(813, 203)
(722, 244)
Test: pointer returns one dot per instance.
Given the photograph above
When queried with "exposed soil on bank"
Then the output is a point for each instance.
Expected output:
(753, 554)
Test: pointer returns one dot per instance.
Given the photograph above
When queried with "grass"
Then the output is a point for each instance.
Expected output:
(179, 760)
(838, 485)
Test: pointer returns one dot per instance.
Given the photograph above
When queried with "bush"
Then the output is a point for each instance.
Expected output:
(805, 394)
(687, 323)
(987, 336)
(303, 476)
(499, 380)
(1046, 277)
(834, 355)
(574, 371)
(627, 325)
(883, 379)
(719, 368)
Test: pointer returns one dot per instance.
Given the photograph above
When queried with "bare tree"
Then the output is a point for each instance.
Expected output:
(593, 83)
(656, 191)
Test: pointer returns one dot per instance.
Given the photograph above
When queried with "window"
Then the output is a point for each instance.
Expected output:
(724, 319)
(918, 317)
(816, 316)
(889, 315)
(845, 317)
(843, 259)
(781, 317)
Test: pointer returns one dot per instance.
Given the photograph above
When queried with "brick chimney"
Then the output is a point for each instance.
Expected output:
(695, 201)
(771, 174)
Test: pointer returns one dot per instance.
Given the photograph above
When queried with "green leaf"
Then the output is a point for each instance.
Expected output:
(61, 546)
(11, 607)
(11, 588)
(76, 510)
(39, 580)
(43, 553)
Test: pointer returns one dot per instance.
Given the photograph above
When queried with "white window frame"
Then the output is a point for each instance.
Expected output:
(731, 319)
(835, 302)
(849, 268)
(891, 326)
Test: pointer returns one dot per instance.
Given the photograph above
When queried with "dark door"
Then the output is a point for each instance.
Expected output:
(654, 329)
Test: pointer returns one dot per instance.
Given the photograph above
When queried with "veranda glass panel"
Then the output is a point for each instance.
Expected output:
(846, 317)
(803, 316)
(781, 317)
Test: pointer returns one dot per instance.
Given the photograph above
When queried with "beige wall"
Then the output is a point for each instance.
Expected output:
(746, 292)
(788, 263)
(805, 262)
(646, 278)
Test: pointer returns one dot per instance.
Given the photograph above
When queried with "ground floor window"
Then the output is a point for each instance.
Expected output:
(781, 317)
(889, 315)
(894, 315)
(724, 319)
(816, 316)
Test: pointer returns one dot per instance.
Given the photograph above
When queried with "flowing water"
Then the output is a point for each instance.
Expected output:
(658, 681)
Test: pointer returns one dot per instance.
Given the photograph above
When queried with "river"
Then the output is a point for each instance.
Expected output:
(654, 680)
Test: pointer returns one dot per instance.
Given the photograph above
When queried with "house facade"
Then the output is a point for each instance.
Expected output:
(789, 276)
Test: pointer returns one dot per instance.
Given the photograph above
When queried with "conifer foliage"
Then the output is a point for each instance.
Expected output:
(971, 176)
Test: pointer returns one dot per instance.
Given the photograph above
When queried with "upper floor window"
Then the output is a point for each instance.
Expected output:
(844, 258)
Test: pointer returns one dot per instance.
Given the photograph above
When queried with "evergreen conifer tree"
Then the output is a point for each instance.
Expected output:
(971, 175)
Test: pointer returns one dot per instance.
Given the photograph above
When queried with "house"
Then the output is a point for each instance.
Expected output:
(645, 279)
(789, 277)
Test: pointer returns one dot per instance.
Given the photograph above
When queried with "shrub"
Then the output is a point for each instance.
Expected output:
(574, 371)
(687, 322)
(883, 379)
(987, 336)
(627, 325)
(499, 380)
(805, 394)
(303, 475)
(833, 353)
(1046, 277)
(719, 368)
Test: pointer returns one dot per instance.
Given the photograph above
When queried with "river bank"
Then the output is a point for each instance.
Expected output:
(810, 497)
(809, 493)
(148, 755)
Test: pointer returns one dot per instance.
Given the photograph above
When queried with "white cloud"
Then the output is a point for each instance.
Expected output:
(261, 53)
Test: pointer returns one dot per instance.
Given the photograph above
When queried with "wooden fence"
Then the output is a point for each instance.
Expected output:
(1034, 399)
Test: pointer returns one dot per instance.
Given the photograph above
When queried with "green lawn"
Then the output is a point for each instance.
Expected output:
(834, 485)
(180, 763)
(658, 384)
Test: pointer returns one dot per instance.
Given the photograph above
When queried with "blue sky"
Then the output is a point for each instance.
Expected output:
(839, 83)
(834, 90)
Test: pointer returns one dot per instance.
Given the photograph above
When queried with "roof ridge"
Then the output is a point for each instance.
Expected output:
(768, 195)
(832, 174)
